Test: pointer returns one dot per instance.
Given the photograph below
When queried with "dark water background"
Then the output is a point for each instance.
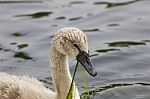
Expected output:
(119, 41)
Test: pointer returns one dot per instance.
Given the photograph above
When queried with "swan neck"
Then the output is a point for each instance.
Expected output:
(60, 73)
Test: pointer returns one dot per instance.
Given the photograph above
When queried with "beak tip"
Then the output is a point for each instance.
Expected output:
(94, 74)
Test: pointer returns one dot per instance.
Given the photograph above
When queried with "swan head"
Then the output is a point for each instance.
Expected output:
(72, 42)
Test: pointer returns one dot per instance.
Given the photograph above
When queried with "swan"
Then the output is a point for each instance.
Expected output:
(68, 41)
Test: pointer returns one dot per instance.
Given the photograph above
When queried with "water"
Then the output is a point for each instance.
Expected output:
(118, 34)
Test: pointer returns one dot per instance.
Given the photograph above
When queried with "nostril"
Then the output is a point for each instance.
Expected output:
(88, 62)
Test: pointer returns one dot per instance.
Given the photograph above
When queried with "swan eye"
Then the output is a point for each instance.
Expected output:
(75, 45)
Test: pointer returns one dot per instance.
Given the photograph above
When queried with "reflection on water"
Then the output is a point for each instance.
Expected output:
(76, 18)
(14, 43)
(36, 15)
(118, 34)
(110, 5)
(60, 18)
(113, 24)
(77, 2)
(91, 30)
(17, 34)
(112, 86)
(106, 50)
(146, 40)
(125, 44)
(21, 1)
(22, 55)
(20, 46)
(97, 90)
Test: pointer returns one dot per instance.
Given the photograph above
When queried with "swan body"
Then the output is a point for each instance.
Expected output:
(23, 87)
(63, 45)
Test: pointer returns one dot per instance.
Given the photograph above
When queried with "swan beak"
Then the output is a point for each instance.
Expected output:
(83, 58)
